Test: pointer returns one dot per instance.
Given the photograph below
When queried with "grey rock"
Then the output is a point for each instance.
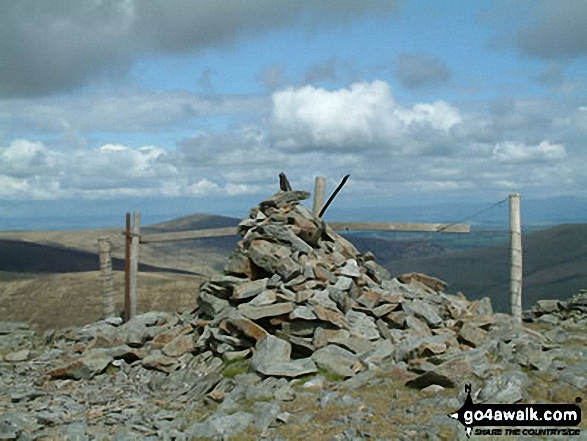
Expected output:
(257, 312)
(482, 306)
(472, 335)
(449, 374)
(180, 345)
(222, 426)
(267, 297)
(92, 363)
(324, 336)
(322, 298)
(539, 359)
(18, 356)
(509, 387)
(75, 431)
(270, 349)
(383, 349)
(9, 430)
(417, 326)
(250, 289)
(557, 335)
(12, 327)
(350, 269)
(211, 305)
(156, 360)
(335, 359)
(576, 375)
(547, 306)
(549, 319)
(287, 368)
(357, 345)
(283, 198)
(265, 415)
(424, 311)
(361, 325)
(301, 328)
(302, 312)
(343, 283)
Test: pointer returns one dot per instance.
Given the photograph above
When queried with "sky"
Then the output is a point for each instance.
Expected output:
(183, 106)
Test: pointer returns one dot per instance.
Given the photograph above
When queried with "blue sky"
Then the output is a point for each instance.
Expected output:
(206, 102)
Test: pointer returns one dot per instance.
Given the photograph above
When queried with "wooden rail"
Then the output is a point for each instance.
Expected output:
(186, 235)
(400, 226)
(344, 226)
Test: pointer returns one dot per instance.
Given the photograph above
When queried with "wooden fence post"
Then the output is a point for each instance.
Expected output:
(134, 263)
(516, 257)
(106, 276)
(127, 269)
(319, 194)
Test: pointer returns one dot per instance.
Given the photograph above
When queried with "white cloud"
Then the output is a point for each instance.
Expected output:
(22, 158)
(366, 115)
(124, 111)
(515, 152)
(440, 115)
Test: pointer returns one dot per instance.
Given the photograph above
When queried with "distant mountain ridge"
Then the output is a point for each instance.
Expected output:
(554, 265)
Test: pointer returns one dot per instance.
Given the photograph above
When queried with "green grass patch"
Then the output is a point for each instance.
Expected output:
(330, 376)
(234, 367)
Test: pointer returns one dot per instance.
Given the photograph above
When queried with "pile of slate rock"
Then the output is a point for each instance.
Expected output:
(298, 297)
(295, 299)
(571, 312)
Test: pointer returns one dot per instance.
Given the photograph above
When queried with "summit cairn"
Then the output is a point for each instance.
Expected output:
(297, 296)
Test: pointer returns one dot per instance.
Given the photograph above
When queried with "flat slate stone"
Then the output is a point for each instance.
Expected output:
(343, 283)
(303, 313)
(336, 360)
(509, 387)
(288, 368)
(18, 356)
(247, 327)
(472, 335)
(211, 305)
(83, 368)
(424, 311)
(322, 298)
(269, 350)
(267, 297)
(333, 316)
(250, 289)
(179, 346)
(350, 269)
(257, 312)
(449, 375)
(370, 299)
(361, 325)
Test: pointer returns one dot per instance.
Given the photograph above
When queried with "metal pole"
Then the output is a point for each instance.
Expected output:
(106, 276)
(516, 257)
(134, 262)
(127, 271)
(319, 194)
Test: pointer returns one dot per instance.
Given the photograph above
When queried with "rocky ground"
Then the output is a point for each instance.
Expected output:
(301, 337)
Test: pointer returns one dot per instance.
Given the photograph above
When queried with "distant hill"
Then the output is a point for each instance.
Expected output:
(192, 222)
(554, 260)
(17, 256)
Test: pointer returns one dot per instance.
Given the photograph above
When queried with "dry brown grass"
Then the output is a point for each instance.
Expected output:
(49, 301)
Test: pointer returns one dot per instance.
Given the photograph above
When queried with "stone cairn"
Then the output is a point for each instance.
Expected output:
(299, 297)
(557, 312)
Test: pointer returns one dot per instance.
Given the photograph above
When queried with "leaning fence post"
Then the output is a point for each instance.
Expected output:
(134, 263)
(516, 257)
(107, 279)
(319, 194)
(127, 234)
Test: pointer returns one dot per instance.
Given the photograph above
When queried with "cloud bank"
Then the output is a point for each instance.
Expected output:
(59, 46)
